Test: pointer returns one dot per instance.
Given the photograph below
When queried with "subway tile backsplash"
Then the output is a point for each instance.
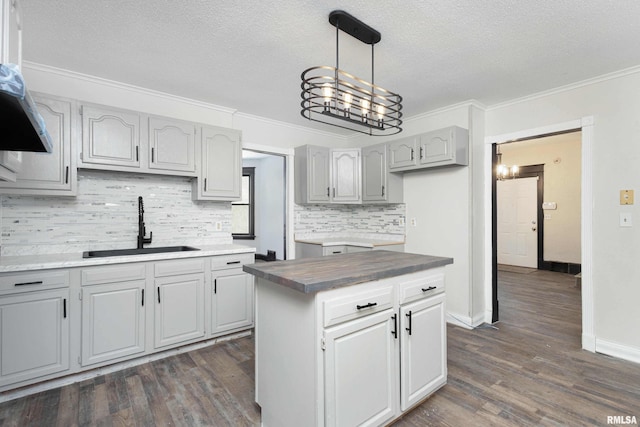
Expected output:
(104, 215)
(373, 221)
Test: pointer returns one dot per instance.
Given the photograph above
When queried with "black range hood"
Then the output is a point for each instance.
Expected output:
(22, 128)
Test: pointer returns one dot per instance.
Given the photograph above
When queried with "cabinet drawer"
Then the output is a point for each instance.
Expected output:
(231, 261)
(334, 250)
(178, 267)
(33, 281)
(341, 309)
(113, 274)
(424, 287)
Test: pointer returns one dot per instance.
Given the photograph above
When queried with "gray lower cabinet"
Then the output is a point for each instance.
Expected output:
(34, 327)
(220, 172)
(49, 174)
(113, 313)
(179, 302)
(231, 294)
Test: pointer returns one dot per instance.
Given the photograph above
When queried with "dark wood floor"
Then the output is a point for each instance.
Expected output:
(528, 372)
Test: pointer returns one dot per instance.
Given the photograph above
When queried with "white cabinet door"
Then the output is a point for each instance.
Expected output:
(220, 176)
(402, 153)
(436, 146)
(113, 321)
(360, 372)
(423, 349)
(318, 174)
(345, 174)
(10, 32)
(34, 335)
(49, 173)
(110, 137)
(172, 145)
(231, 301)
(179, 309)
(374, 174)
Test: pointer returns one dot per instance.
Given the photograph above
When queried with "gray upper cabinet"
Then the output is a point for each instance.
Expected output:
(442, 147)
(402, 153)
(121, 140)
(172, 145)
(110, 138)
(345, 176)
(312, 174)
(220, 175)
(378, 185)
(10, 32)
(54, 173)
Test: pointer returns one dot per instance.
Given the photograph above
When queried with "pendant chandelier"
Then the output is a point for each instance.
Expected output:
(503, 171)
(335, 97)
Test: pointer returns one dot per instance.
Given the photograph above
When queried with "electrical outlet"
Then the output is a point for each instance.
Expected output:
(414, 222)
(401, 221)
(218, 226)
(625, 219)
(626, 197)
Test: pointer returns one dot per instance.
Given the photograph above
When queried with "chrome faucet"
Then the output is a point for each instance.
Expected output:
(141, 228)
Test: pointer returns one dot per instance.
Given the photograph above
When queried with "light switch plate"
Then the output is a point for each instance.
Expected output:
(625, 219)
(626, 197)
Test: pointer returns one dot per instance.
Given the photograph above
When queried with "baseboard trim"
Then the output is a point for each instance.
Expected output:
(466, 321)
(620, 351)
(560, 267)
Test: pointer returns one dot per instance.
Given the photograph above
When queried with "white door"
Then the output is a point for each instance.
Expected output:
(517, 222)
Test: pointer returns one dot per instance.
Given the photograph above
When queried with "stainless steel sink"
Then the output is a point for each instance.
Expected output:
(143, 251)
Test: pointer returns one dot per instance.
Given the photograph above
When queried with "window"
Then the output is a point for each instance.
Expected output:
(242, 211)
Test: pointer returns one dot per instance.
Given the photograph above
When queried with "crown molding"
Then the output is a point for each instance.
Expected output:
(125, 86)
(290, 125)
(571, 86)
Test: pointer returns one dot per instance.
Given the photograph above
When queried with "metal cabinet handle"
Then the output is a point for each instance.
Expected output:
(158, 294)
(143, 297)
(328, 192)
(420, 153)
(383, 191)
(152, 155)
(371, 304)
(66, 175)
(409, 316)
(64, 308)
(205, 184)
(395, 326)
(38, 282)
(233, 262)
(137, 154)
(412, 154)
(430, 288)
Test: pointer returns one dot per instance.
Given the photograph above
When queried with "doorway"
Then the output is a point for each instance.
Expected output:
(264, 208)
(524, 216)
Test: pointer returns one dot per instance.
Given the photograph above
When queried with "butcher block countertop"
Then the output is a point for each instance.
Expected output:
(309, 275)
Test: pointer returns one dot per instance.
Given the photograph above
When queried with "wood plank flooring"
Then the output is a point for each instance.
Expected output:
(528, 372)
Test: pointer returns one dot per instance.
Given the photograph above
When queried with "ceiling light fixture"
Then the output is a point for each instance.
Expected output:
(503, 171)
(335, 97)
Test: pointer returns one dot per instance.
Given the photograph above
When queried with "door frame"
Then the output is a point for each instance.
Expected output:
(287, 153)
(585, 125)
(532, 171)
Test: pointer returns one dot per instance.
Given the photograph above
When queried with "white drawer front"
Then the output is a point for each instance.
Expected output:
(178, 267)
(112, 274)
(33, 281)
(421, 288)
(361, 304)
(231, 261)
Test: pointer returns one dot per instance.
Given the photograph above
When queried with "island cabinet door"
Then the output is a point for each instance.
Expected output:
(360, 371)
(423, 349)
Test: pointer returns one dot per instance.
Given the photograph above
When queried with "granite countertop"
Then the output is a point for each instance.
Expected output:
(311, 275)
(350, 241)
(43, 262)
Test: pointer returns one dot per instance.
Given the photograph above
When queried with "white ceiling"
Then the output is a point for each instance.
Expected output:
(249, 55)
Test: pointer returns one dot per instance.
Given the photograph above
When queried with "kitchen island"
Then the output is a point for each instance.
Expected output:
(354, 339)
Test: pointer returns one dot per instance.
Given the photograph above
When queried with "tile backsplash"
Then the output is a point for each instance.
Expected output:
(364, 221)
(104, 215)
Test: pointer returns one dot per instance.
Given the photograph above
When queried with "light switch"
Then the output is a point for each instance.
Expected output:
(625, 219)
(626, 197)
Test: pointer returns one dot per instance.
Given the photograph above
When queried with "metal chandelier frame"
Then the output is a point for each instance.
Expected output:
(333, 96)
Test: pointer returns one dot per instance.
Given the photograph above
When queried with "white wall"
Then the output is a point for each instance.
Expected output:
(560, 155)
(614, 102)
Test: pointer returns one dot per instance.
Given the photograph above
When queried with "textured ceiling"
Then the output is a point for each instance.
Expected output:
(249, 55)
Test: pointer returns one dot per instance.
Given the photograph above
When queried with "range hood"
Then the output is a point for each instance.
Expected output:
(22, 128)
